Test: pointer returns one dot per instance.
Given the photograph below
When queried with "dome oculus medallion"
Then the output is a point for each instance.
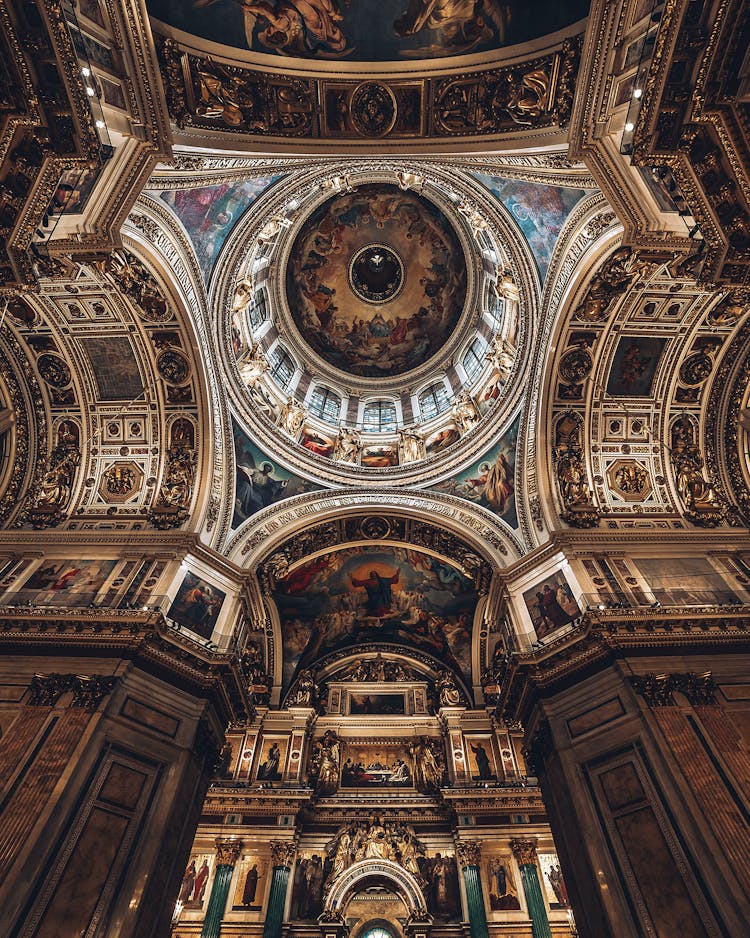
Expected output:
(376, 280)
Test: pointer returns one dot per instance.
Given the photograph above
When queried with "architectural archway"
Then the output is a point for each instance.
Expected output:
(404, 884)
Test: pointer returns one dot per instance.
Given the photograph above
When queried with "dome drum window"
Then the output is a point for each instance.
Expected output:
(434, 400)
(325, 404)
(379, 417)
(282, 367)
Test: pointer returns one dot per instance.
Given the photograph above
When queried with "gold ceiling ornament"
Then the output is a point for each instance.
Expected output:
(172, 505)
(702, 503)
(52, 495)
(579, 509)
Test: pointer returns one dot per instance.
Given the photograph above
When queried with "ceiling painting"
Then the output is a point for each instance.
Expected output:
(210, 213)
(360, 595)
(490, 481)
(260, 481)
(540, 211)
(376, 280)
(368, 30)
(634, 366)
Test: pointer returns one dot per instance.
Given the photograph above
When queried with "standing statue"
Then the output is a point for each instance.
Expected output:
(252, 365)
(410, 446)
(292, 417)
(505, 286)
(348, 446)
(448, 693)
(429, 764)
(327, 757)
(306, 692)
(465, 412)
(243, 293)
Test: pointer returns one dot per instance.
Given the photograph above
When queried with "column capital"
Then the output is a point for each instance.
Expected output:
(227, 851)
(468, 852)
(524, 851)
(282, 852)
(656, 689)
(700, 689)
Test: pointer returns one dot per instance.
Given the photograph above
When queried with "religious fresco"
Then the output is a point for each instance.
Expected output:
(503, 891)
(64, 583)
(490, 481)
(251, 883)
(197, 605)
(481, 759)
(260, 481)
(360, 594)
(316, 443)
(271, 761)
(441, 440)
(379, 704)
(540, 211)
(634, 366)
(193, 890)
(369, 30)
(685, 581)
(377, 765)
(551, 604)
(554, 883)
(376, 280)
(210, 213)
(115, 367)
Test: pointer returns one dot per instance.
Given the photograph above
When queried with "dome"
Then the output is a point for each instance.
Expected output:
(376, 280)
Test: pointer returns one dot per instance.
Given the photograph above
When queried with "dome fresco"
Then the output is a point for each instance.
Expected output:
(376, 280)
(368, 30)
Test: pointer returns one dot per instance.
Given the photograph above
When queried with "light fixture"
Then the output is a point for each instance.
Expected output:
(85, 71)
(100, 124)
(638, 93)
(89, 91)
(630, 126)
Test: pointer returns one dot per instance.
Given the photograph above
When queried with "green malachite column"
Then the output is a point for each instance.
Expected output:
(227, 852)
(525, 853)
(282, 855)
(468, 853)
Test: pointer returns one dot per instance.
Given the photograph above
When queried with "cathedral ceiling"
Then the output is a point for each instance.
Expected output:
(446, 371)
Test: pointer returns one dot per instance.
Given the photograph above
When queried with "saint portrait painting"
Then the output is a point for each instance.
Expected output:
(551, 605)
(359, 595)
(197, 605)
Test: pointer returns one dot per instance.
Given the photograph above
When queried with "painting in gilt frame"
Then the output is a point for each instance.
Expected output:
(551, 605)
(503, 892)
(251, 883)
(194, 888)
(197, 605)
(377, 765)
(64, 583)
(554, 883)
(634, 366)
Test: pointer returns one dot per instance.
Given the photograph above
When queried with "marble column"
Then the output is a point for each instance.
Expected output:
(468, 853)
(227, 854)
(282, 857)
(525, 853)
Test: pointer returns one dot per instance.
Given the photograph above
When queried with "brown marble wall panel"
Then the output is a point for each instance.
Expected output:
(138, 712)
(78, 890)
(709, 789)
(596, 717)
(31, 796)
(17, 740)
(652, 864)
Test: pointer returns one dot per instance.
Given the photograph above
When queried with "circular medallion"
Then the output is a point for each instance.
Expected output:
(373, 109)
(376, 273)
(376, 280)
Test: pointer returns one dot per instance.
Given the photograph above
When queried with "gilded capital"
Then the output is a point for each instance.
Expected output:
(282, 852)
(227, 851)
(468, 852)
(524, 851)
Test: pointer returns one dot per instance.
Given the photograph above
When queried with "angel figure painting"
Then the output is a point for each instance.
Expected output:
(359, 595)
(490, 481)
(260, 481)
(369, 30)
